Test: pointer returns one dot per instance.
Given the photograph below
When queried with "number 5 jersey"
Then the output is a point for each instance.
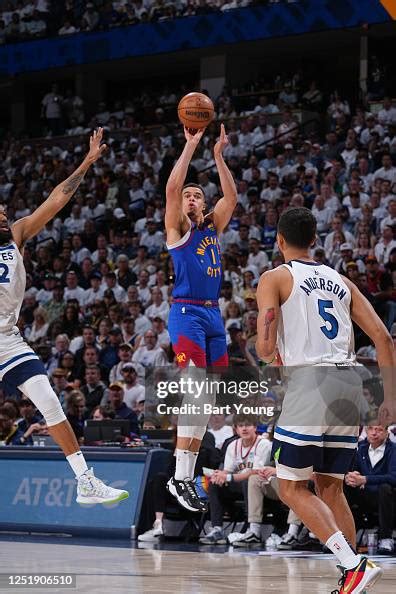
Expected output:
(315, 326)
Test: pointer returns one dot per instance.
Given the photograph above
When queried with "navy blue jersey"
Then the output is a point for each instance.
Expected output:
(197, 262)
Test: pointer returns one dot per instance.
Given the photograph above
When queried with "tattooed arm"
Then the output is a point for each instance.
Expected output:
(268, 300)
(28, 227)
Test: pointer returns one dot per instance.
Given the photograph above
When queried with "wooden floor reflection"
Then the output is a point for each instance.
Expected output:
(125, 569)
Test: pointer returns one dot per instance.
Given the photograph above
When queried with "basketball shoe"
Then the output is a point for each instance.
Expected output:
(92, 490)
(186, 494)
(360, 578)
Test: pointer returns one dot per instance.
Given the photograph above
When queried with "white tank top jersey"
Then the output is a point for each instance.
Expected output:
(12, 286)
(315, 326)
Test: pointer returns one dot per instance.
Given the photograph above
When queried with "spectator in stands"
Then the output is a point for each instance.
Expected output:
(149, 354)
(217, 426)
(75, 413)
(30, 423)
(133, 391)
(372, 482)
(121, 410)
(40, 325)
(243, 457)
(8, 428)
(93, 389)
(52, 110)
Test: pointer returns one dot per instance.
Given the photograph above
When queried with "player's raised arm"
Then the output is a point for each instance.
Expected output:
(226, 205)
(29, 226)
(268, 301)
(174, 214)
(363, 313)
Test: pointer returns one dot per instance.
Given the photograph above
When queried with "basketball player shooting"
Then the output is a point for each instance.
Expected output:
(20, 367)
(195, 324)
(305, 312)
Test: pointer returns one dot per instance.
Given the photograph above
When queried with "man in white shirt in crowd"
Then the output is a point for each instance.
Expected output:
(96, 290)
(72, 289)
(384, 247)
(257, 257)
(244, 458)
(264, 132)
(125, 352)
(390, 220)
(75, 223)
(158, 326)
(387, 171)
(79, 252)
(273, 191)
(158, 305)
(282, 170)
(143, 287)
(323, 215)
(217, 426)
(150, 354)
(132, 389)
(152, 238)
(337, 226)
(118, 291)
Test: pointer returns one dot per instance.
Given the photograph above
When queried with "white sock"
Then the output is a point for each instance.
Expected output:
(255, 528)
(293, 530)
(341, 549)
(78, 463)
(157, 524)
(192, 460)
(185, 461)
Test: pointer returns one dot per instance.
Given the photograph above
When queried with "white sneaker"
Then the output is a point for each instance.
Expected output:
(386, 546)
(92, 490)
(153, 535)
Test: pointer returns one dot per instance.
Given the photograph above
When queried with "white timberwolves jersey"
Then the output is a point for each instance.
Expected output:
(315, 326)
(12, 286)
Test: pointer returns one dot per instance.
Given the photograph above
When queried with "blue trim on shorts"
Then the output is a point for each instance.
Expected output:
(328, 460)
(16, 358)
(302, 437)
(20, 374)
(341, 438)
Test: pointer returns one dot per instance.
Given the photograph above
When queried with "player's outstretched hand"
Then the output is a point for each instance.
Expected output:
(96, 149)
(221, 143)
(193, 136)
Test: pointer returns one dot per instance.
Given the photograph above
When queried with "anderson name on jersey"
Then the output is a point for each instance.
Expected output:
(315, 326)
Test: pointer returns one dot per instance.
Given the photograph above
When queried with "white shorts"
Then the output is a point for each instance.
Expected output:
(318, 428)
(14, 351)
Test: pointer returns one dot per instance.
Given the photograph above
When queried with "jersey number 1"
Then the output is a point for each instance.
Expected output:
(323, 305)
(4, 270)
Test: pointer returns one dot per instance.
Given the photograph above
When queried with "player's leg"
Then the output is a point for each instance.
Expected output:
(89, 488)
(330, 489)
(358, 572)
(188, 342)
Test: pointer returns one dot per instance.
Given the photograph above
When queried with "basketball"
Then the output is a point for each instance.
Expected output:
(195, 111)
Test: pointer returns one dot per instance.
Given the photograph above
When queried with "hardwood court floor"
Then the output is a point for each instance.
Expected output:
(107, 568)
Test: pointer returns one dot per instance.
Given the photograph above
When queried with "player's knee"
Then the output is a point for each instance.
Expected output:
(39, 391)
(288, 490)
(328, 488)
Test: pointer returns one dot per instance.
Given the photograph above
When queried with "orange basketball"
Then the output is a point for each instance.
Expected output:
(195, 111)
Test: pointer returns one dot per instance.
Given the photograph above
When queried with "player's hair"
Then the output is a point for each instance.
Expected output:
(298, 227)
(194, 186)
(244, 419)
